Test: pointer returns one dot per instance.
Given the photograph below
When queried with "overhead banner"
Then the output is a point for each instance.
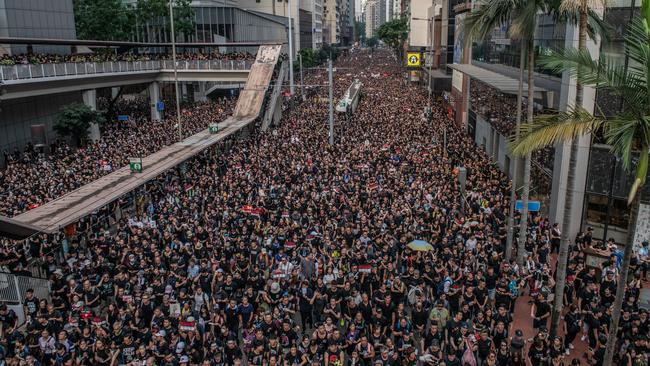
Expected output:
(459, 38)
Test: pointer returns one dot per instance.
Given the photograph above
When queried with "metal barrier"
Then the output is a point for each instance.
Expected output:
(13, 288)
(29, 71)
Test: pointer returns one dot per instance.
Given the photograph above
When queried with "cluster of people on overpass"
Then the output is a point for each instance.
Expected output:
(50, 58)
(32, 178)
(284, 250)
(499, 110)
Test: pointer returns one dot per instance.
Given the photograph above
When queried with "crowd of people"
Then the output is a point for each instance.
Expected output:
(285, 250)
(50, 58)
(32, 178)
(499, 110)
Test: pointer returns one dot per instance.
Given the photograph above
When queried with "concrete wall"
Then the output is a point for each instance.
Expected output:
(275, 8)
(496, 145)
(263, 30)
(37, 19)
(17, 116)
(419, 29)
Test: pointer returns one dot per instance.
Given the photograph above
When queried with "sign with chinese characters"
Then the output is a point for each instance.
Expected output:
(136, 165)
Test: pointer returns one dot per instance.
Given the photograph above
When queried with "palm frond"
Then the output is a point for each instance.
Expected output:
(524, 21)
(597, 26)
(486, 16)
(637, 47)
(576, 5)
(548, 130)
(606, 74)
(622, 133)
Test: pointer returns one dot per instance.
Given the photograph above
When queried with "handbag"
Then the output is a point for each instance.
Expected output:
(468, 356)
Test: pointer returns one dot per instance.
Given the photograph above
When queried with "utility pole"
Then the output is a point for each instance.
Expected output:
(431, 51)
(291, 86)
(178, 103)
(331, 87)
(302, 86)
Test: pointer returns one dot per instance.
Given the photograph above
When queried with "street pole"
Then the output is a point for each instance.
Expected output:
(302, 86)
(431, 34)
(178, 104)
(331, 85)
(291, 87)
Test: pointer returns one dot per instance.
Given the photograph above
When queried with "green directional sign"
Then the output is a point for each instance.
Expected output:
(213, 128)
(136, 165)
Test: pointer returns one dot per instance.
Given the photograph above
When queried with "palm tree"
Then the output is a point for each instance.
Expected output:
(522, 15)
(627, 132)
(568, 11)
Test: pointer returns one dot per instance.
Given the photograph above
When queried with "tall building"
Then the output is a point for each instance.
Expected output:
(317, 21)
(397, 8)
(370, 13)
(52, 19)
(390, 15)
(375, 16)
(332, 21)
(347, 22)
(358, 10)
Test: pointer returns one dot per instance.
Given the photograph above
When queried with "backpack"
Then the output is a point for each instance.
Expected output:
(441, 286)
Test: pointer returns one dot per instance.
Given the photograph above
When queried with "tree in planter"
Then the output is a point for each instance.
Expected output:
(394, 34)
(627, 131)
(75, 119)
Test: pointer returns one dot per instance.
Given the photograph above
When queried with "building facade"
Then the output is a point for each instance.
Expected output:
(52, 19)
(601, 184)
(332, 21)
(375, 16)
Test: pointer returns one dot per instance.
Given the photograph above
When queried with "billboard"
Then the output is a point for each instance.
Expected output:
(459, 37)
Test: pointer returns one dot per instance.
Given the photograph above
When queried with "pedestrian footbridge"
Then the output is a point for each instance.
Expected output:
(56, 214)
(28, 80)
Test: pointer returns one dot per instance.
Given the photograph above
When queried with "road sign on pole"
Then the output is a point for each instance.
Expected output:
(160, 106)
(533, 206)
(136, 165)
(413, 59)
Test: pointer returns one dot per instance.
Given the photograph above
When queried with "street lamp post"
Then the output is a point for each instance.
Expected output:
(178, 105)
(302, 87)
(291, 87)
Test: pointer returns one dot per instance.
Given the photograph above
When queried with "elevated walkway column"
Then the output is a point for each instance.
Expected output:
(90, 99)
(154, 98)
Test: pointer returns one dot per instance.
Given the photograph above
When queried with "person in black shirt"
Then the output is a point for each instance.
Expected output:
(485, 346)
(572, 325)
(540, 312)
(538, 354)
